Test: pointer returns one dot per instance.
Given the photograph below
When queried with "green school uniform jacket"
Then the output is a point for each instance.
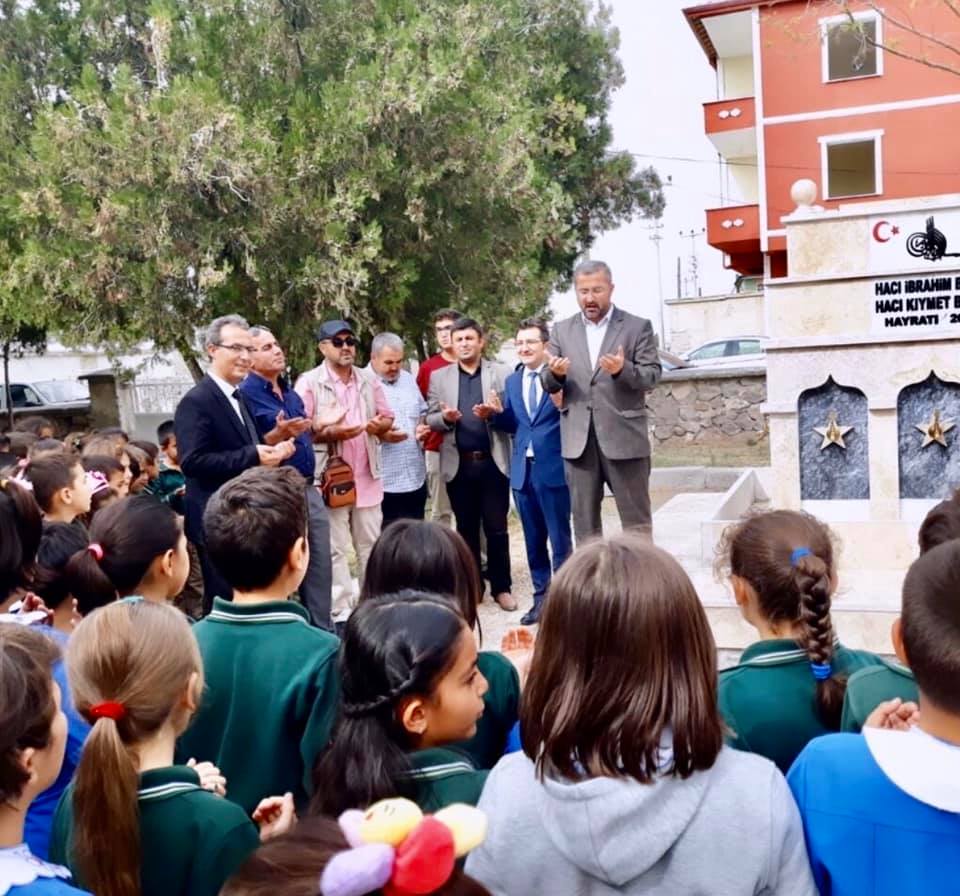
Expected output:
(271, 696)
(768, 698)
(445, 775)
(501, 705)
(869, 687)
(191, 840)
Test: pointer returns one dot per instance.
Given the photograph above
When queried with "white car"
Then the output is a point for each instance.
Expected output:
(735, 351)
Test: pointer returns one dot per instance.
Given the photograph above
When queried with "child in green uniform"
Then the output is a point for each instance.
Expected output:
(271, 676)
(893, 680)
(132, 823)
(788, 687)
(427, 556)
(411, 688)
(137, 548)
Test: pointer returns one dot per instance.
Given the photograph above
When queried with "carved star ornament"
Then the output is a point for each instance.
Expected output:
(935, 430)
(832, 432)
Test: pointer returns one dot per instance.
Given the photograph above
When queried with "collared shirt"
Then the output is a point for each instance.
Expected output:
(404, 469)
(228, 389)
(472, 432)
(595, 333)
(354, 451)
(532, 411)
(264, 404)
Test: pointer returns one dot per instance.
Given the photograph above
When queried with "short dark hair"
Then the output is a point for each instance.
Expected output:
(538, 323)
(252, 522)
(446, 314)
(102, 463)
(467, 323)
(424, 556)
(34, 424)
(165, 432)
(27, 707)
(60, 541)
(619, 657)
(941, 524)
(49, 474)
(930, 620)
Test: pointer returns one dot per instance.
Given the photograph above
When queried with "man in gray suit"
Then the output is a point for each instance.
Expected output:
(604, 361)
(475, 457)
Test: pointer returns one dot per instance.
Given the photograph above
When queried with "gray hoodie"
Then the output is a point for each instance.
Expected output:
(731, 831)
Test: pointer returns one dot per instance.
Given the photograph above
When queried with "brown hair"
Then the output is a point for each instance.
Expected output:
(50, 473)
(535, 323)
(21, 528)
(941, 524)
(112, 445)
(140, 655)
(252, 523)
(787, 557)
(426, 556)
(27, 707)
(446, 314)
(291, 865)
(930, 624)
(624, 652)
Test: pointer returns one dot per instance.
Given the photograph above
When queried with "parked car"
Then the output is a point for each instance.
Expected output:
(670, 361)
(734, 351)
(47, 394)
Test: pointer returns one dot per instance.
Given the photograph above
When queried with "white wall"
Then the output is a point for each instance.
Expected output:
(736, 77)
(695, 321)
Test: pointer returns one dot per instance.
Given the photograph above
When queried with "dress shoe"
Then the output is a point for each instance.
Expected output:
(531, 617)
(506, 601)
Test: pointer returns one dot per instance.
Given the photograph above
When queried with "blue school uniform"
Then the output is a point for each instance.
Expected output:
(23, 874)
(39, 820)
(881, 813)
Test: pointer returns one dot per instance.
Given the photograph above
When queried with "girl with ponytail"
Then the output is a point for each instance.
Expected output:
(132, 823)
(410, 688)
(788, 687)
(137, 548)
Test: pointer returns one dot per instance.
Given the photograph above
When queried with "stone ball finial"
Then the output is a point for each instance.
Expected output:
(804, 192)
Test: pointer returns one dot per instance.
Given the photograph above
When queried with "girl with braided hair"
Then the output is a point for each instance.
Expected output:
(788, 687)
(410, 688)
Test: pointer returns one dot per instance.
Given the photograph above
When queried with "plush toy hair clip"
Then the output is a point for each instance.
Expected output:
(394, 847)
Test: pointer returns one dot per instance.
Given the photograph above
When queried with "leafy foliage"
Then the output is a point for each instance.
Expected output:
(294, 161)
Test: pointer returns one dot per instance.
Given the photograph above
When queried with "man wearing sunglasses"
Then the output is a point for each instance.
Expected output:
(217, 438)
(338, 387)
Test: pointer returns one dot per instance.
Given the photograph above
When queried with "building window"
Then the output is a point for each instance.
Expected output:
(850, 49)
(851, 165)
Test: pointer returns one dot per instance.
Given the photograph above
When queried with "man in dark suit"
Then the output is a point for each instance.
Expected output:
(217, 438)
(536, 466)
(604, 361)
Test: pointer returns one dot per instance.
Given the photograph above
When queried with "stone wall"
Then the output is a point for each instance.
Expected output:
(709, 416)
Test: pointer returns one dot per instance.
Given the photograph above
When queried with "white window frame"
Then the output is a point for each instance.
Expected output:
(825, 25)
(858, 137)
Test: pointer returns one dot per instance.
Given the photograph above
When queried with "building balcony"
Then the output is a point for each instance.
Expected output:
(731, 126)
(735, 231)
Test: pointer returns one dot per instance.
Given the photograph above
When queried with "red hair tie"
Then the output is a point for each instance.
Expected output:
(95, 549)
(109, 709)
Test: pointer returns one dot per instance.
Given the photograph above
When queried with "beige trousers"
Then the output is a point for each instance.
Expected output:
(440, 509)
(359, 528)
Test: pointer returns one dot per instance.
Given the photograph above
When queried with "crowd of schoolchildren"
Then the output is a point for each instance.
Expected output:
(148, 754)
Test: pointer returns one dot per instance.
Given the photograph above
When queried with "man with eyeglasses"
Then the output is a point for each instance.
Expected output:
(279, 414)
(354, 395)
(604, 361)
(217, 437)
(440, 510)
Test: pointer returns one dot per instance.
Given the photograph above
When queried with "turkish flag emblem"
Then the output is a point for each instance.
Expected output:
(883, 231)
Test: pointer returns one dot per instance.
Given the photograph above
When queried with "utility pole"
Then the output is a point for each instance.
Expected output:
(694, 268)
(656, 237)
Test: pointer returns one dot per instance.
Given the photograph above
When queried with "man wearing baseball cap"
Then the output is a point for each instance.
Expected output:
(338, 386)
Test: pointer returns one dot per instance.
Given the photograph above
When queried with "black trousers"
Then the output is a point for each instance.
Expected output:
(480, 496)
(404, 505)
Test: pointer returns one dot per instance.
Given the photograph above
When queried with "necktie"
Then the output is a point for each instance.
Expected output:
(532, 394)
(247, 419)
